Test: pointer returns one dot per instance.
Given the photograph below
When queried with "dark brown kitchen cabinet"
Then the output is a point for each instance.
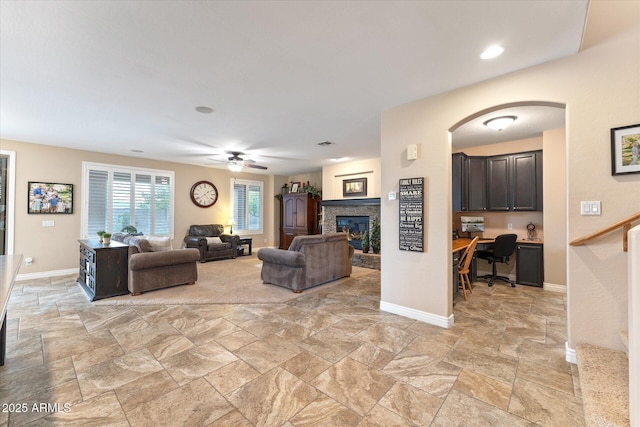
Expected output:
(468, 181)
(498, 183)
(510, 182)
(530, 264)
(459, 182)
(527, 181)
(477, 184)
(299, 216)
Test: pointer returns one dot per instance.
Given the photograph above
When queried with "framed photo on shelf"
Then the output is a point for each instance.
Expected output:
(294, 187)
(625, 150)
(356, 187)
(49, 198)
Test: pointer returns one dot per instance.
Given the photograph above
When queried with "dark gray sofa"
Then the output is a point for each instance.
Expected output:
(197, 238)
(149, 270)
(309, 261)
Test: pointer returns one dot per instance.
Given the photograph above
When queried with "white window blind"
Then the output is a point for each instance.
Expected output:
(115, 197)
(247, 206)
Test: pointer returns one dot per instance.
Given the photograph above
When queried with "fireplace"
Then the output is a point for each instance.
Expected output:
(355, 226)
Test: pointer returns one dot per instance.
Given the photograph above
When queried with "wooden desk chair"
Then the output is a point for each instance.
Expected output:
(464, 265)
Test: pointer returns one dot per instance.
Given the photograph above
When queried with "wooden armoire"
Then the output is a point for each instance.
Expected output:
(298, 216)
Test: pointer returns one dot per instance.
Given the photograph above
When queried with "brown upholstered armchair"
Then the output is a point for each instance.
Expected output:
(211, 242)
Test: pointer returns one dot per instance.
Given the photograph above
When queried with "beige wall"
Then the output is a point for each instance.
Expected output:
(555, 207)
(333, 175)
(56, 248)
(599, 94)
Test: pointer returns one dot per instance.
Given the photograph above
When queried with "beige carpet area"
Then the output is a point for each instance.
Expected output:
(232, 281)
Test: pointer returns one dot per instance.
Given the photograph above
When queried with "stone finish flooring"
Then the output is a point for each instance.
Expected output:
(331, 358)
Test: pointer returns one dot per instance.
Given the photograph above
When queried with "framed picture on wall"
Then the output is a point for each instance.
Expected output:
(356, 187)
(625, 150)
(50, 198)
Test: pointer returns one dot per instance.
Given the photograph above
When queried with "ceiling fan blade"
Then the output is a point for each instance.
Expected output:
(249, 165)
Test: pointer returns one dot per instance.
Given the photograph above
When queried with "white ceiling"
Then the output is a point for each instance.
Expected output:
(116, 76)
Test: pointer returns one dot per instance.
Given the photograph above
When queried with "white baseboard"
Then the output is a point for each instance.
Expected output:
(45, 274)
(570, 354)
(554, 288)
(411, 313)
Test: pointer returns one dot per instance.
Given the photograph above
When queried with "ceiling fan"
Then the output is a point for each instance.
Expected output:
(235, 163)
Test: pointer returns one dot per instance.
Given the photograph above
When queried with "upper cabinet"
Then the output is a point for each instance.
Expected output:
(511, 182)
(477, 186)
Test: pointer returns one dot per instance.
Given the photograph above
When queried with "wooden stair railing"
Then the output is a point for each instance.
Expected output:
(625, 224)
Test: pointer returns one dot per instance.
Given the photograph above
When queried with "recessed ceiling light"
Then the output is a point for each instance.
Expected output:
(325, 143)
(499, 123)
(204, 110)
(492, 52)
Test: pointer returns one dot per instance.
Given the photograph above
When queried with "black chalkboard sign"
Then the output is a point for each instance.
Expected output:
(412, 214)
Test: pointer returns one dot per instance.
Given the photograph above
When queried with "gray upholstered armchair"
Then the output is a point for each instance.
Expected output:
(211, 242)
(309, 261)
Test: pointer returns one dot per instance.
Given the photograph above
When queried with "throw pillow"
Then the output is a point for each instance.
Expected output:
(159, 244)
(212, 240)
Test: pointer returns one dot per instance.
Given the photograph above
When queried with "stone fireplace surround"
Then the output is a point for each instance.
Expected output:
(352, 207)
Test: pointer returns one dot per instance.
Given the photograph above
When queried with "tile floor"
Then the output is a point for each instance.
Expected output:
(326, 359)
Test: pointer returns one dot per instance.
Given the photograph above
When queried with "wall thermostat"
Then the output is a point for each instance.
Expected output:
(392, 195)
(412, 152)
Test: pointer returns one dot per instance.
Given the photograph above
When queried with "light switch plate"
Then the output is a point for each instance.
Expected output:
(593, 207)
(48, 223)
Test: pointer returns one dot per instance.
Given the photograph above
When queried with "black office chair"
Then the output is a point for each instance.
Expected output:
(503, 248)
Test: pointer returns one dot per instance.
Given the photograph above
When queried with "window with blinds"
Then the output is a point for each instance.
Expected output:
(247, 206)
(116, 196)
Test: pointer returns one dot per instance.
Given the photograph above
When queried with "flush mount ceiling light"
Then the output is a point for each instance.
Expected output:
(234, 167)
(492, 52)
(499, 123)
(204, 109)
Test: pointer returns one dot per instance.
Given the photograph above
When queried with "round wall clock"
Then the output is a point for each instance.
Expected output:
(204, 194)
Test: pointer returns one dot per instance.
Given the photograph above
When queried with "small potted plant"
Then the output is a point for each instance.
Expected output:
(100, 235)
(107, 238)
(375, 236)
(365, 242)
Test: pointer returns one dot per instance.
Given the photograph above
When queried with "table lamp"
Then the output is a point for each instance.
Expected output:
(231, 223)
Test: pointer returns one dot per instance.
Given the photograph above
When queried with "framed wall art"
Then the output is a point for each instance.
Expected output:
(356, 187)
(50, 198)
(625, 150)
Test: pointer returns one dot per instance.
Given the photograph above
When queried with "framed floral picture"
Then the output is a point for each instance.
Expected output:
(625, 150)
(50, 198)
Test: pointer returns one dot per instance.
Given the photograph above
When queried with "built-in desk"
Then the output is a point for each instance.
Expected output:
(529, 260)
(9, 265)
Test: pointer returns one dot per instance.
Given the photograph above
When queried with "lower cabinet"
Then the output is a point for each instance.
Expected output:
(103, 269)
(530, 264)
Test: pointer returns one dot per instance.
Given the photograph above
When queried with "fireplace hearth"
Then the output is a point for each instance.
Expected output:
(355, 226)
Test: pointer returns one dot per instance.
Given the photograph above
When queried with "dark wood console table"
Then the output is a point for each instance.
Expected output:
(103, 269)
(9, 266)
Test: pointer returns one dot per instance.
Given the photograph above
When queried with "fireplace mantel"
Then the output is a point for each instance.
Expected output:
(372, 201)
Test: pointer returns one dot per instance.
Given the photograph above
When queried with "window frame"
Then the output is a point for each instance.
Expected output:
(111, 169)
(246, 183)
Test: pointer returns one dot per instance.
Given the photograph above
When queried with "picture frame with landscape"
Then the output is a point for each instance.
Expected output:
(356, 187)
(625, 150)
(49, 198)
